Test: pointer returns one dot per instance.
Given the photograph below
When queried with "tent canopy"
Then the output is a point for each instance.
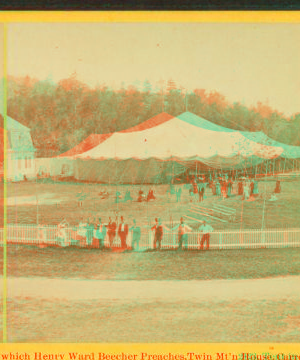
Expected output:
(179, 140)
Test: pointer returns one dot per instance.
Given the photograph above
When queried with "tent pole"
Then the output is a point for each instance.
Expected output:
(185, 99)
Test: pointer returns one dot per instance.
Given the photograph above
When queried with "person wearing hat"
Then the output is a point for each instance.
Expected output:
(123, 232)
(100, 233)
(136, 236)
(206, 229)
(158, 233)
(111, 231)
(183, 230)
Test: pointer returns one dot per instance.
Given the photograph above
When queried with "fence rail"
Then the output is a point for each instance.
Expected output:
(225, 239)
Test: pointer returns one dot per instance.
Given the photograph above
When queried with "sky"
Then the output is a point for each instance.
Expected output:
(245, 62)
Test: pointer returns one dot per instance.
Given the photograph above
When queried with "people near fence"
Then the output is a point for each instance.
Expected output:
(122, 233)
(136, 236)
(100, 234)
(127, 196)
(150, 195)
(81, 232)
(183, 230)
(277, 187)
(206, 230)
(90, 231)
(111, 231)
(158, 233)
(178, 194)
(62, 239)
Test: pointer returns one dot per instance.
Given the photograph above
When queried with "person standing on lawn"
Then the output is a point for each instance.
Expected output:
(277, 187)
(89, 232)
(136, 236)
(206, 229)
(183, 231)
(178, 194)
(111, 231)
(123, 232)
(100, 233)
(158, 233)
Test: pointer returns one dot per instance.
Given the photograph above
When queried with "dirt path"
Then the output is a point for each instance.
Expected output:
(196, 291)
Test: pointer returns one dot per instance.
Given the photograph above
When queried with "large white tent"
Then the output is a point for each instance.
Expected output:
(151, 154)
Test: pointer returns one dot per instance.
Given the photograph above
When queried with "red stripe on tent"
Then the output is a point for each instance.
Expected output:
(94, 139)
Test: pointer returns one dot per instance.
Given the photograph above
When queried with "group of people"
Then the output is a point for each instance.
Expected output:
(225, 187)
(93, 235)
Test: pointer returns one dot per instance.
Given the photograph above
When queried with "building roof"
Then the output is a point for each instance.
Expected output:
(12, 124)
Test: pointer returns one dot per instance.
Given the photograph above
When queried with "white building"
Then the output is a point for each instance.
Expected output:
(20, 151)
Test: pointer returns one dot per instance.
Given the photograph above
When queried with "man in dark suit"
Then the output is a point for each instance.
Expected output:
(123, 232)
(111, 231)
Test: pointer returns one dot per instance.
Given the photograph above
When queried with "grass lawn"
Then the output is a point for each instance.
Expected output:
(70, 263)
(59, 200)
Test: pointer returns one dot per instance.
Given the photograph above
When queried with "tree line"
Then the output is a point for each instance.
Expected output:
(60, 115)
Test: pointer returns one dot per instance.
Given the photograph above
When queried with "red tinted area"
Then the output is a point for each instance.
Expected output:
(148, 124)
(89, 143)
(94, 140)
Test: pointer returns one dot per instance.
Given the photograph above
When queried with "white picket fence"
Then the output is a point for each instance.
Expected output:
(225, 239)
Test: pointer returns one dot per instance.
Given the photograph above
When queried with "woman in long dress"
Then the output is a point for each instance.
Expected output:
(61, 233)
(81, 233)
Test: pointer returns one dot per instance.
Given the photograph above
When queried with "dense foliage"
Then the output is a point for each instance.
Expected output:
(61, 115)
